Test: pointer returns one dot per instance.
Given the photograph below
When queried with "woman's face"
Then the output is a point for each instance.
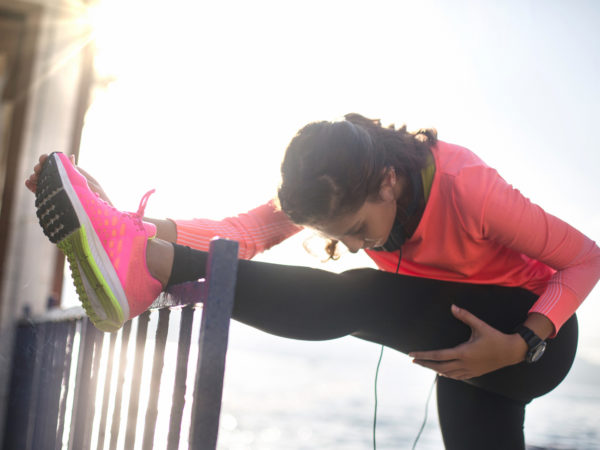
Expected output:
(366, 228)
(371, 225)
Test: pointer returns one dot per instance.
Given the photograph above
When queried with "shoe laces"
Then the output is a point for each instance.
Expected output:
(143, 203)
(139, 215)
(136, 217)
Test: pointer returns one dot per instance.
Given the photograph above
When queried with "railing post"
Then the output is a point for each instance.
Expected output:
(106, 395)
(85, 386)
(138, 368)
(183, 352)
(221, 277)
(160, 342)
(42, 407)
(66, 373)
(21, 387)
(116, 417)
(53, 372)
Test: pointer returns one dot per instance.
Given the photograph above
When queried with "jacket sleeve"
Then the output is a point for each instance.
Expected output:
(504, 215)
(256, 231)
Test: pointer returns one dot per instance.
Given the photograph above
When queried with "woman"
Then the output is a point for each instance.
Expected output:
(460, 243)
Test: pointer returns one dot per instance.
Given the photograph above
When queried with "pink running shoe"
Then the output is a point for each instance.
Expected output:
(106, 248)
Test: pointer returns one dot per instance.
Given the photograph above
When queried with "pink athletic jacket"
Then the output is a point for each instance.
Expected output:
(476, 228)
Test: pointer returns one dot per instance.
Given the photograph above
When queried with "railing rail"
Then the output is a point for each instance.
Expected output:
(61, 360)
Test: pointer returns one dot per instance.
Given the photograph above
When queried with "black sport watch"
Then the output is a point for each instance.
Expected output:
(536, 345)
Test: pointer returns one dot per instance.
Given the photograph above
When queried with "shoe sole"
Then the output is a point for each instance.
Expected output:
(65, 222)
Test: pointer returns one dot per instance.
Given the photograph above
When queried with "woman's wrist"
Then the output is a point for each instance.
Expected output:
(540, 325)
(518, 348)
(165, 229)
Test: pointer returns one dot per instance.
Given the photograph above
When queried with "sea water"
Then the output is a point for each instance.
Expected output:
(283, 394)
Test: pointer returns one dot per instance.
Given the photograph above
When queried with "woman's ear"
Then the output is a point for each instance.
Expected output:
(387, 190)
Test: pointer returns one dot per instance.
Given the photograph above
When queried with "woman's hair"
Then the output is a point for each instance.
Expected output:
(332, 168)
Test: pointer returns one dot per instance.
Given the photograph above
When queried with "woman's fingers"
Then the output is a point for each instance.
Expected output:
(42, 159)
(90, 179)
(449, 369)
(440, 366)
(31, 182)
(458, 374)
(38, 167)
(94, 185)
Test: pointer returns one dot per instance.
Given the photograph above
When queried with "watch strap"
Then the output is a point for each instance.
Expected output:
(536, 345)
(529, 336)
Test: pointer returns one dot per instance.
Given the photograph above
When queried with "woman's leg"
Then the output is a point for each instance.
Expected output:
(472, 418)
(289, 301)
(414, 314)
(404, 313)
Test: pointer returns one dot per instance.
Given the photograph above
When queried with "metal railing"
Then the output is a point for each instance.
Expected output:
(71, 384)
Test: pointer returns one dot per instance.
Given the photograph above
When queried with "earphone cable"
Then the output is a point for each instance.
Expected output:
(377, 372)
(426, 413)
(375, 413)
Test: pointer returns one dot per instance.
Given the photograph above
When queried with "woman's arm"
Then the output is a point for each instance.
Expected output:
(256, 231)
(495, 210)
(512, 220)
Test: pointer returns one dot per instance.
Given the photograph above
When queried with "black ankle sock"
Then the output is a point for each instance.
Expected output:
(188, 265)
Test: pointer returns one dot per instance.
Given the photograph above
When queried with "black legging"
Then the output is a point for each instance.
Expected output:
(406, 314)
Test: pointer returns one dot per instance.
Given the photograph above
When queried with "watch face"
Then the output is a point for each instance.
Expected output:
(536, 352)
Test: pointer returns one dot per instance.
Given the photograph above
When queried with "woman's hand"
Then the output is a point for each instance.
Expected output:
(486, 350)
(31, 182)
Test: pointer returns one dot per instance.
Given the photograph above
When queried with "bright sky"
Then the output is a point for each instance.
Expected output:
(208, 94)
